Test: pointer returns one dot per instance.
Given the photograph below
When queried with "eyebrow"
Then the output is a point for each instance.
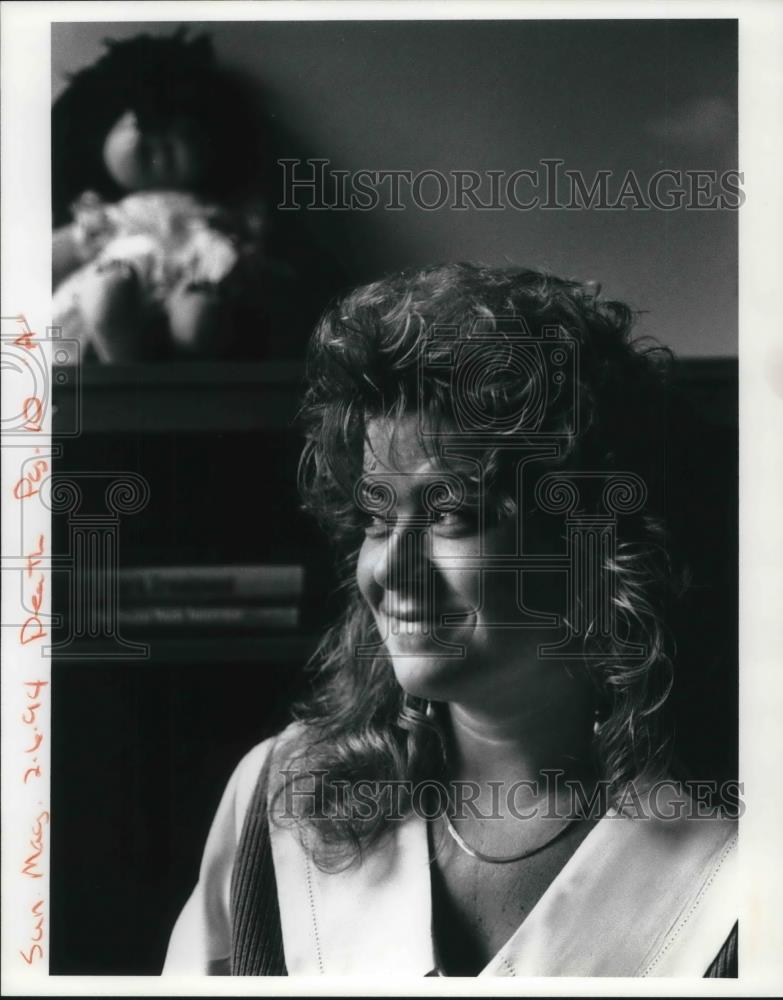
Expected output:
(422, 481)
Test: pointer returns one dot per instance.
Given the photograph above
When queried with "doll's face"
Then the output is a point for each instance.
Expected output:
(171, 155)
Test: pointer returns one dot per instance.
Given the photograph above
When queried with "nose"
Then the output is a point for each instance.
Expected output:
(402, 561)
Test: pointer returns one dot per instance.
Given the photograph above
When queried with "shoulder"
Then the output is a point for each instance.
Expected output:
(666, 809)
(656, 871)
(274, 754)
(201, 939)
(679, 857)
(668, 824)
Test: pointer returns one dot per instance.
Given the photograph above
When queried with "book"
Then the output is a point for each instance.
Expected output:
(203, 584)
(189, 616)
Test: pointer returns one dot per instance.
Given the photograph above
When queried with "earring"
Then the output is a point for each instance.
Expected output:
(412, 705)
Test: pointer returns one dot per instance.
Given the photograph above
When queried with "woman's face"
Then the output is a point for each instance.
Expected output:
(172, 156)
(419, 562)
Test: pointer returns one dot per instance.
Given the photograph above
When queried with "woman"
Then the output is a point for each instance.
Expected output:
(480, 782)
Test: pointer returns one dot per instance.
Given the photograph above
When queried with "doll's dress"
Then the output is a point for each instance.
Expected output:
(166, 237)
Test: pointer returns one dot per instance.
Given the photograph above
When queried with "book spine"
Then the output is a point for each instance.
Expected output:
(197, 584)
(187, 616)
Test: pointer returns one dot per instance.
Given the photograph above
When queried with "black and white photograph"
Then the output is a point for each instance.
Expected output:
(391, 458)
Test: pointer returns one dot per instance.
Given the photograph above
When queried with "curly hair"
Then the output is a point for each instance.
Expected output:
(365, 362)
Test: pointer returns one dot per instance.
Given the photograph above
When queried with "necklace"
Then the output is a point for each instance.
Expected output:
(505, 860)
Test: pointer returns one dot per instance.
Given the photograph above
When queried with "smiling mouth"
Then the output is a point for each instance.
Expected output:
(408, 616)
(415, 618)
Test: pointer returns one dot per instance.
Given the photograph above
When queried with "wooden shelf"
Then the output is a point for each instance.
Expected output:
(187, 396)
(266, 651)
(204, 396)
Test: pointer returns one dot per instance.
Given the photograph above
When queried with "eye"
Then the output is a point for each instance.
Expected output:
(457, 521)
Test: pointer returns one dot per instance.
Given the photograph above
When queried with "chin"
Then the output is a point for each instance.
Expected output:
(427, 665)
(430, 673)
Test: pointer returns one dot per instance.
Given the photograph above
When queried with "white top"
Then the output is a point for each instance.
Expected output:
(639, 897)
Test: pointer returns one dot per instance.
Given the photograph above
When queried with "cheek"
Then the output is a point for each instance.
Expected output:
(459, 588)
(189, 162)
(365, 579)
(456, 587)
(121, 154)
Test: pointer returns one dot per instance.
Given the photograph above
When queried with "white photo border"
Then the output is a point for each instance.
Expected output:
(26, 236)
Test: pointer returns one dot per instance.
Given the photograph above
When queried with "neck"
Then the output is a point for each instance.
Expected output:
(497, 739)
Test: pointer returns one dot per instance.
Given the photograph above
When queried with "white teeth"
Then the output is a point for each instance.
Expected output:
(407, 626)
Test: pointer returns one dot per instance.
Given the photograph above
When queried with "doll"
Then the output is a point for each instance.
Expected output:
(157, 235)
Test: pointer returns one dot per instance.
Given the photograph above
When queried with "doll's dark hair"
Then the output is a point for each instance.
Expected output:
(155, 77)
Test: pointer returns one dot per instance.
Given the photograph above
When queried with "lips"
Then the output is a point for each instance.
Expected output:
(417, 615)
(406, 614)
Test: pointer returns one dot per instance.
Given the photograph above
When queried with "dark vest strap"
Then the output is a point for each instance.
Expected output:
(256, 935)
(725, 965)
